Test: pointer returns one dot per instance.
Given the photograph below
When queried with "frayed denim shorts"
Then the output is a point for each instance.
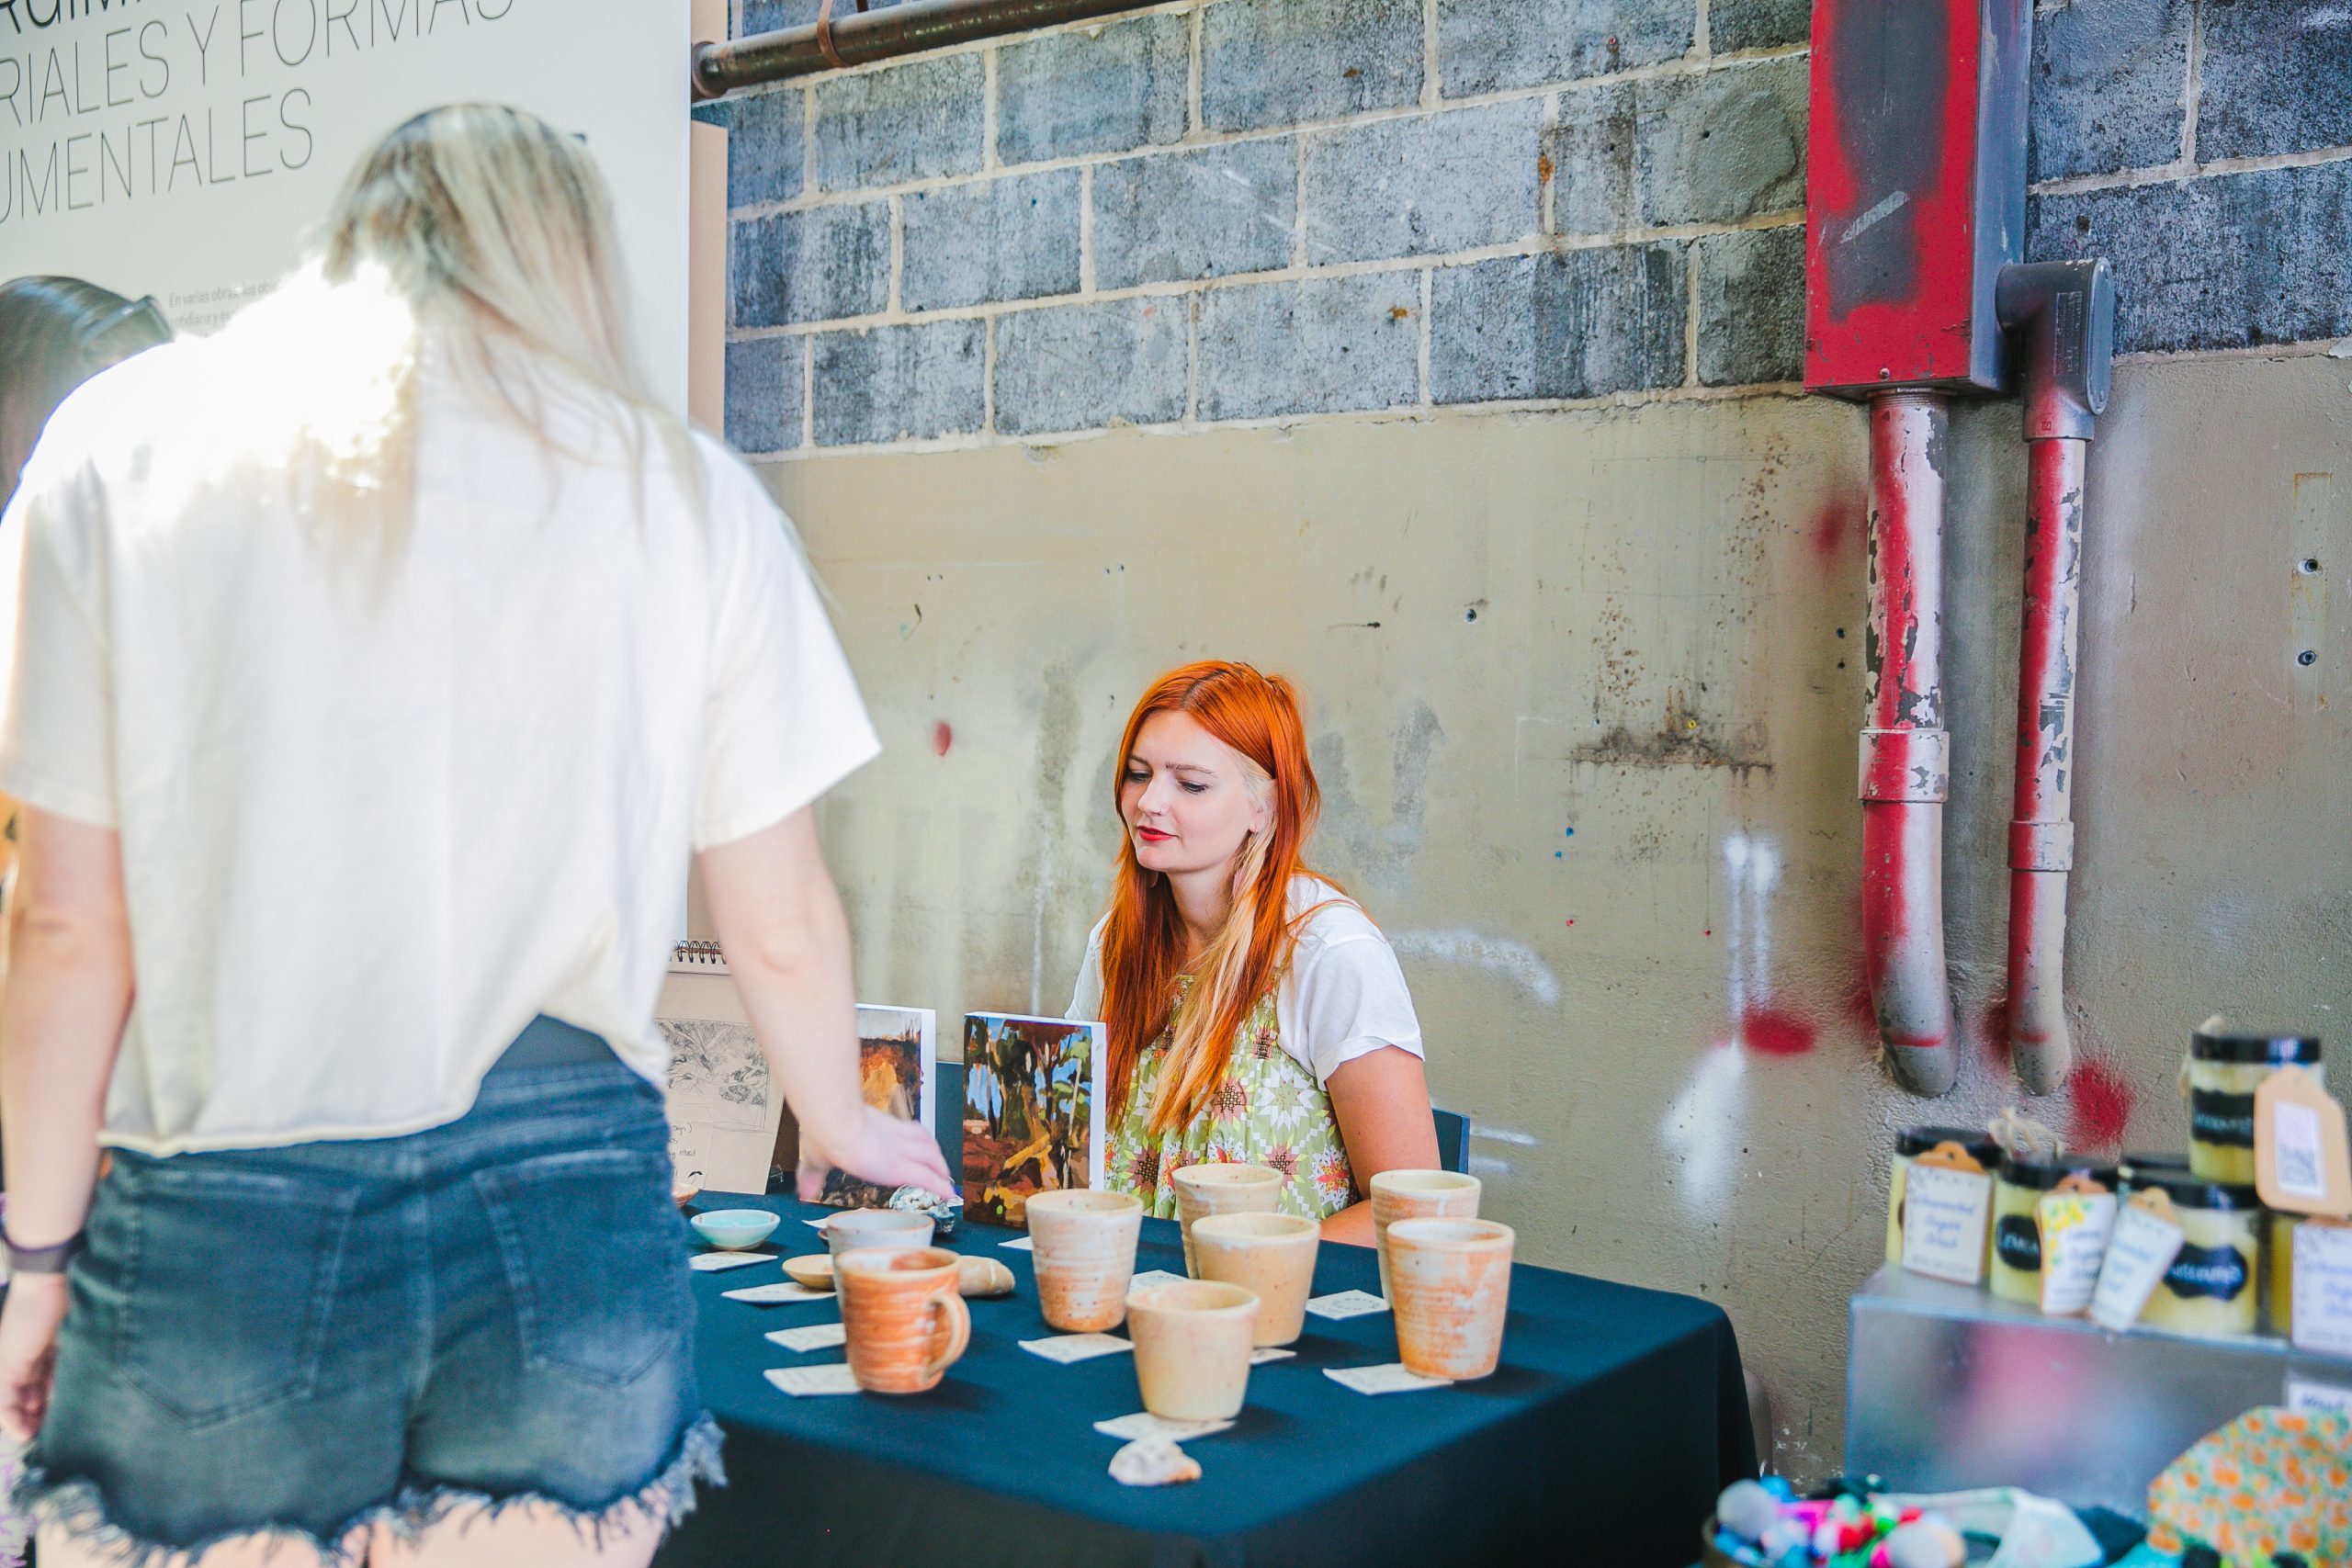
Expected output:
(306, 1340)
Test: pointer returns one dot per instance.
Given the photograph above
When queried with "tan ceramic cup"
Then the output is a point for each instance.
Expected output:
(1452, 1287)
(1192, 1344)
(903, 1319)
(1222, 1189)
(1417, 1195)
(1272, 1256)
(1083, 1244)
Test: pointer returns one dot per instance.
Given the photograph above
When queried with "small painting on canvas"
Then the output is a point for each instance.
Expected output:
(894, 1071)
(1033, 1111)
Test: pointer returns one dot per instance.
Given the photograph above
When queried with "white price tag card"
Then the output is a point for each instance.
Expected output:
(1018, 1244)
(1346, 1304)
(1265, 1353)
(1144, 1423)
(2074, 1230)
(2323, 1288)
(832, 1378)
(815, 1337)
(1389, 1378)
(1944, 1215)
(1152, 1277)
(2304, 1394)
(2141, 1248)
(1067, 1347)
(712, 1262)
(777, 1294)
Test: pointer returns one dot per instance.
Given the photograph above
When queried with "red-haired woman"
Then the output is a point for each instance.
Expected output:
(1255, 1012)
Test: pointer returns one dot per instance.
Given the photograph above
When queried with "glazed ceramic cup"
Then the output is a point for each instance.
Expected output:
(1192, 1344)
(1083, 1244)
(1417, 1195)
(1272, 1255)
(1451, 1280)
(886, 1230)
(1222, 1189)
(904, 1323)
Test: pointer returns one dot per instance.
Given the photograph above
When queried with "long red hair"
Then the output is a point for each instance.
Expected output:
(1143, 939)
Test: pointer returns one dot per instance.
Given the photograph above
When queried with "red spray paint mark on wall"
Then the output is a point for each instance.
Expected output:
(1993, 1031)
(942, 737)
(1834, 527)
(2101, 1102)
(1775, 1031)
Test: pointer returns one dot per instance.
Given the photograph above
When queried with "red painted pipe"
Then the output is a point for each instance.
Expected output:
(2042, 832)
(1905, 767)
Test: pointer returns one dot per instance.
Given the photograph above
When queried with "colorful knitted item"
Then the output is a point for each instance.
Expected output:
(2271, 1481)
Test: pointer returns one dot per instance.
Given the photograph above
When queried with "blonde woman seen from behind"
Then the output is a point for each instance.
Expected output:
(381, 662)
(1255, 1013)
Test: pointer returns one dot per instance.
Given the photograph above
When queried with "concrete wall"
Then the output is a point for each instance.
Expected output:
(1495, 453)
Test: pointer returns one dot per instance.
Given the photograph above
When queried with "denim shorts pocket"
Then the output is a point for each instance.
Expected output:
(596, 1259)
(228, 1287)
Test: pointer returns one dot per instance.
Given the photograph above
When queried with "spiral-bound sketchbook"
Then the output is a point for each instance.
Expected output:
(723, 1112)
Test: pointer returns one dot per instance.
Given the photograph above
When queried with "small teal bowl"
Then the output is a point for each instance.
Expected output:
(732, 1229)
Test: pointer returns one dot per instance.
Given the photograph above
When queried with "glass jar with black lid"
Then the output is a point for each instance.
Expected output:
(2213, 1289)
(2015, 1269)
(1912, 1142)
(2227, 1066)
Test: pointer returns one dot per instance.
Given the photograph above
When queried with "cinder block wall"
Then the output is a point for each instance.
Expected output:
(1273, 210)
(1442, 353)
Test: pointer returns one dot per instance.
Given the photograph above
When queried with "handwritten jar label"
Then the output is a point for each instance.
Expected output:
(1944, 1215)
(2074, 1230)
(2323, 1288)
(2141, 1248)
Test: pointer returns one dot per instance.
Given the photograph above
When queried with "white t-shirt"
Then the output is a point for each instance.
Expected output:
(1342, 996)
(378, 807)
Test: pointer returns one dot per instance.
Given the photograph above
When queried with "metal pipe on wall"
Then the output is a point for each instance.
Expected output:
(1905, 772)
(2041, 831)
(2063, 314)
(859, 36)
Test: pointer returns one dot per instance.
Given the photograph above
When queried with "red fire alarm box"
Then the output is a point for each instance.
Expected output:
(1915, 191)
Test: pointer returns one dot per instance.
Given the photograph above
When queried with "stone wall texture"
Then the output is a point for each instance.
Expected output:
(1552, 200)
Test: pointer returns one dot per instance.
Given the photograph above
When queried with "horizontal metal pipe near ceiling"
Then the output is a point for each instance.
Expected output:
(860, 36)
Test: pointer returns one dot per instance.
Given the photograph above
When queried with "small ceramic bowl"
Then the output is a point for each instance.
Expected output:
(733, 1230)
(812, 1271)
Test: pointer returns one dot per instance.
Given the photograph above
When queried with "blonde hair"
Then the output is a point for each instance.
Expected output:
(477, 235)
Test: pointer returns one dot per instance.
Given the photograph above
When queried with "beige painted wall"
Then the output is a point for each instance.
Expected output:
(1643, 625)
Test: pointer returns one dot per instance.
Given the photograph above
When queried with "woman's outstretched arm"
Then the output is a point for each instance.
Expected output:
(786, 942)
(1381, 1102)
(63, 1004)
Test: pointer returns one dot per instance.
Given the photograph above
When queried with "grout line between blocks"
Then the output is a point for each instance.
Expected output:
(2192, 86)
(988, 377)
(1690, 315)
(892, 302)
(1192, 74)
(1086, 232)
(988, 159)
(808, 393)
(1429, 55)
(1193, 360)
(1427, 289)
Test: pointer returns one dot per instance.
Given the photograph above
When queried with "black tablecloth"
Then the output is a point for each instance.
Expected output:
(1615, 1417)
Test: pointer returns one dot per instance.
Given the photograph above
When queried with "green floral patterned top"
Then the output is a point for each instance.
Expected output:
(1268, 1111)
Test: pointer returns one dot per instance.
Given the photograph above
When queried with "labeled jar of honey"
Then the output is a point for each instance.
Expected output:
(2213, 1289)
(2015, 1269)
(2226, 1067)
(1912, 1142)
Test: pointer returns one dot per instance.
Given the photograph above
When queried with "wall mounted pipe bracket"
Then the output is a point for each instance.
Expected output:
(2063, 316)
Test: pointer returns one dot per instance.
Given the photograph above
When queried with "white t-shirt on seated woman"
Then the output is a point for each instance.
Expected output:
(1342, 996)
(382, 803)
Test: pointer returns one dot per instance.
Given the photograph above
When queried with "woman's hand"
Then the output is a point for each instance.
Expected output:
(881, 1149)
(28, 1351)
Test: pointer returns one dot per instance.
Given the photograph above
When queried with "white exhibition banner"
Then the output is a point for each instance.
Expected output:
(189, 149)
